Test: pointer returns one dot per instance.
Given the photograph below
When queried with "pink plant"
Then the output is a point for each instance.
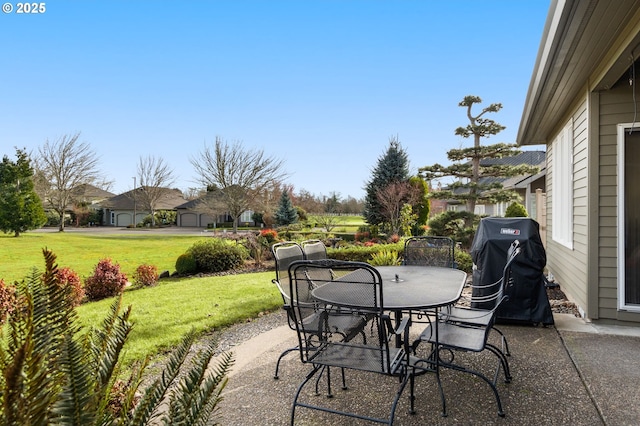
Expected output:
(7, 300)
(106, 281)
(67, 277)
(146, 275)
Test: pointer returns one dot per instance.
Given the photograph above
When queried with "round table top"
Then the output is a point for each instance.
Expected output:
(403, 288)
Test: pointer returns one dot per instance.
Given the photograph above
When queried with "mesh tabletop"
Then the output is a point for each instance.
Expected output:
(403, 288)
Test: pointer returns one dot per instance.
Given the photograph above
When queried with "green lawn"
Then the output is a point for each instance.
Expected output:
(165, 313)
(162, 314)
(81, 252)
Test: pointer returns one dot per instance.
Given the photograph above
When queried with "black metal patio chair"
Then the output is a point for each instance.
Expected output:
(319, 345)
(429, 251)
(314, 250)
(452, 336)
(285, 253)
(465, 312)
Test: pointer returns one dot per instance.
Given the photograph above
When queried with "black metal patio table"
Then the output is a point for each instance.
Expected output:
(405, 288)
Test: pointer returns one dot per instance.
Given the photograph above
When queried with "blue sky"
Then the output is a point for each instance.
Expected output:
(322, 85)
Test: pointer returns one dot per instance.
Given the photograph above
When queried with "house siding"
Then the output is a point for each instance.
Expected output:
(569, 266)
(616, 106)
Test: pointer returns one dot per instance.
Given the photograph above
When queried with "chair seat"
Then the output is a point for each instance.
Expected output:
(456, 336)
(364, 358)
(467, 315)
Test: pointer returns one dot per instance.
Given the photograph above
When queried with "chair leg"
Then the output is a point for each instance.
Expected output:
(275, 376)
(304, 382)
(504, 362)
(505, 344)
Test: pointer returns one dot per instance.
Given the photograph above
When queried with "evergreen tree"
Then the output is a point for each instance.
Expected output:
(472, 164)
(20, 206)
(286, 213)
(392, 167)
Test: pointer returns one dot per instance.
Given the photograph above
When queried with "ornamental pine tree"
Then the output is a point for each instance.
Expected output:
(286, 213)
(392, 167)
(472, 164)
(20, 207)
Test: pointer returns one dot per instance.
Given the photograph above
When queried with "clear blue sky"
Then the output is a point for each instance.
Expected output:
(322, 85)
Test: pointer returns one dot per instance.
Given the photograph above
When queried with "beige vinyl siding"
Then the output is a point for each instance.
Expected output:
(616, 106)
(569, 266)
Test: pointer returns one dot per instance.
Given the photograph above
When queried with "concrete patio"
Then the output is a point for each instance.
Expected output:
(571, 373)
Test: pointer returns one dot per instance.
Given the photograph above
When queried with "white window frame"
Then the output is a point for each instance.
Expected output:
(562, 187)
(622, 305)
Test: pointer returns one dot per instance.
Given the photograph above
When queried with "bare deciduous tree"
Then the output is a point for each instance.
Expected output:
(391, 199)
(155, 178)
(62, 166)
(240, 175)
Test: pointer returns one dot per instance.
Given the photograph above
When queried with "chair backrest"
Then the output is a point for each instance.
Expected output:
(497, 291)
(429, 251)
(285, 253)
(314, 250)
(361, 285)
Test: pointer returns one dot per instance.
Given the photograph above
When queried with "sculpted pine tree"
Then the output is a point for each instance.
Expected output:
(472, 164)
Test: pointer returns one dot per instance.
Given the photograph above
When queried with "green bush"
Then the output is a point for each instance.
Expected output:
(516, 209)
(362, 253)
(451, 224)
(216, 255)
(385, 257)
(186, 264)
(464, 261)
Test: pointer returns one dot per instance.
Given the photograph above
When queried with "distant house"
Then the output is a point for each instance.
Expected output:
(90, 195)
(525, 185)
(198, 213)
(121, 209)
(582, 104)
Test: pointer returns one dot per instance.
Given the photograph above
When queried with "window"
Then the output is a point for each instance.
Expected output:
(562, 187)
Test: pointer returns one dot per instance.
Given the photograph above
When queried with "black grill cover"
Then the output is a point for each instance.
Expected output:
(528, 301)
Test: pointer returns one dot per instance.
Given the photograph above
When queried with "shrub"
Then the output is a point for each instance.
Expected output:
(145, 276)
(67, 277)
(186, 264)
(271, 235)
(107, 281)
(53, 373)
(7, 300)
(452, 224)
(516, 209)
(385, 257)
(464, 261)
(216, 255)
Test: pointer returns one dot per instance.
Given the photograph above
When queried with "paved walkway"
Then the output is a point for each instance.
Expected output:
(571, 373)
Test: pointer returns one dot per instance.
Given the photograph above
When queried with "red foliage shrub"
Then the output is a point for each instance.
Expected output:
(394, 238)
(106, 281)
(271, 235)
(67, 277)
(7, 300)
(362, 236)
(145, 276)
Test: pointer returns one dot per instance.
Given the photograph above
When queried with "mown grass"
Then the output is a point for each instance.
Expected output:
(165, 313)
(162, 314)
(81, 252)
